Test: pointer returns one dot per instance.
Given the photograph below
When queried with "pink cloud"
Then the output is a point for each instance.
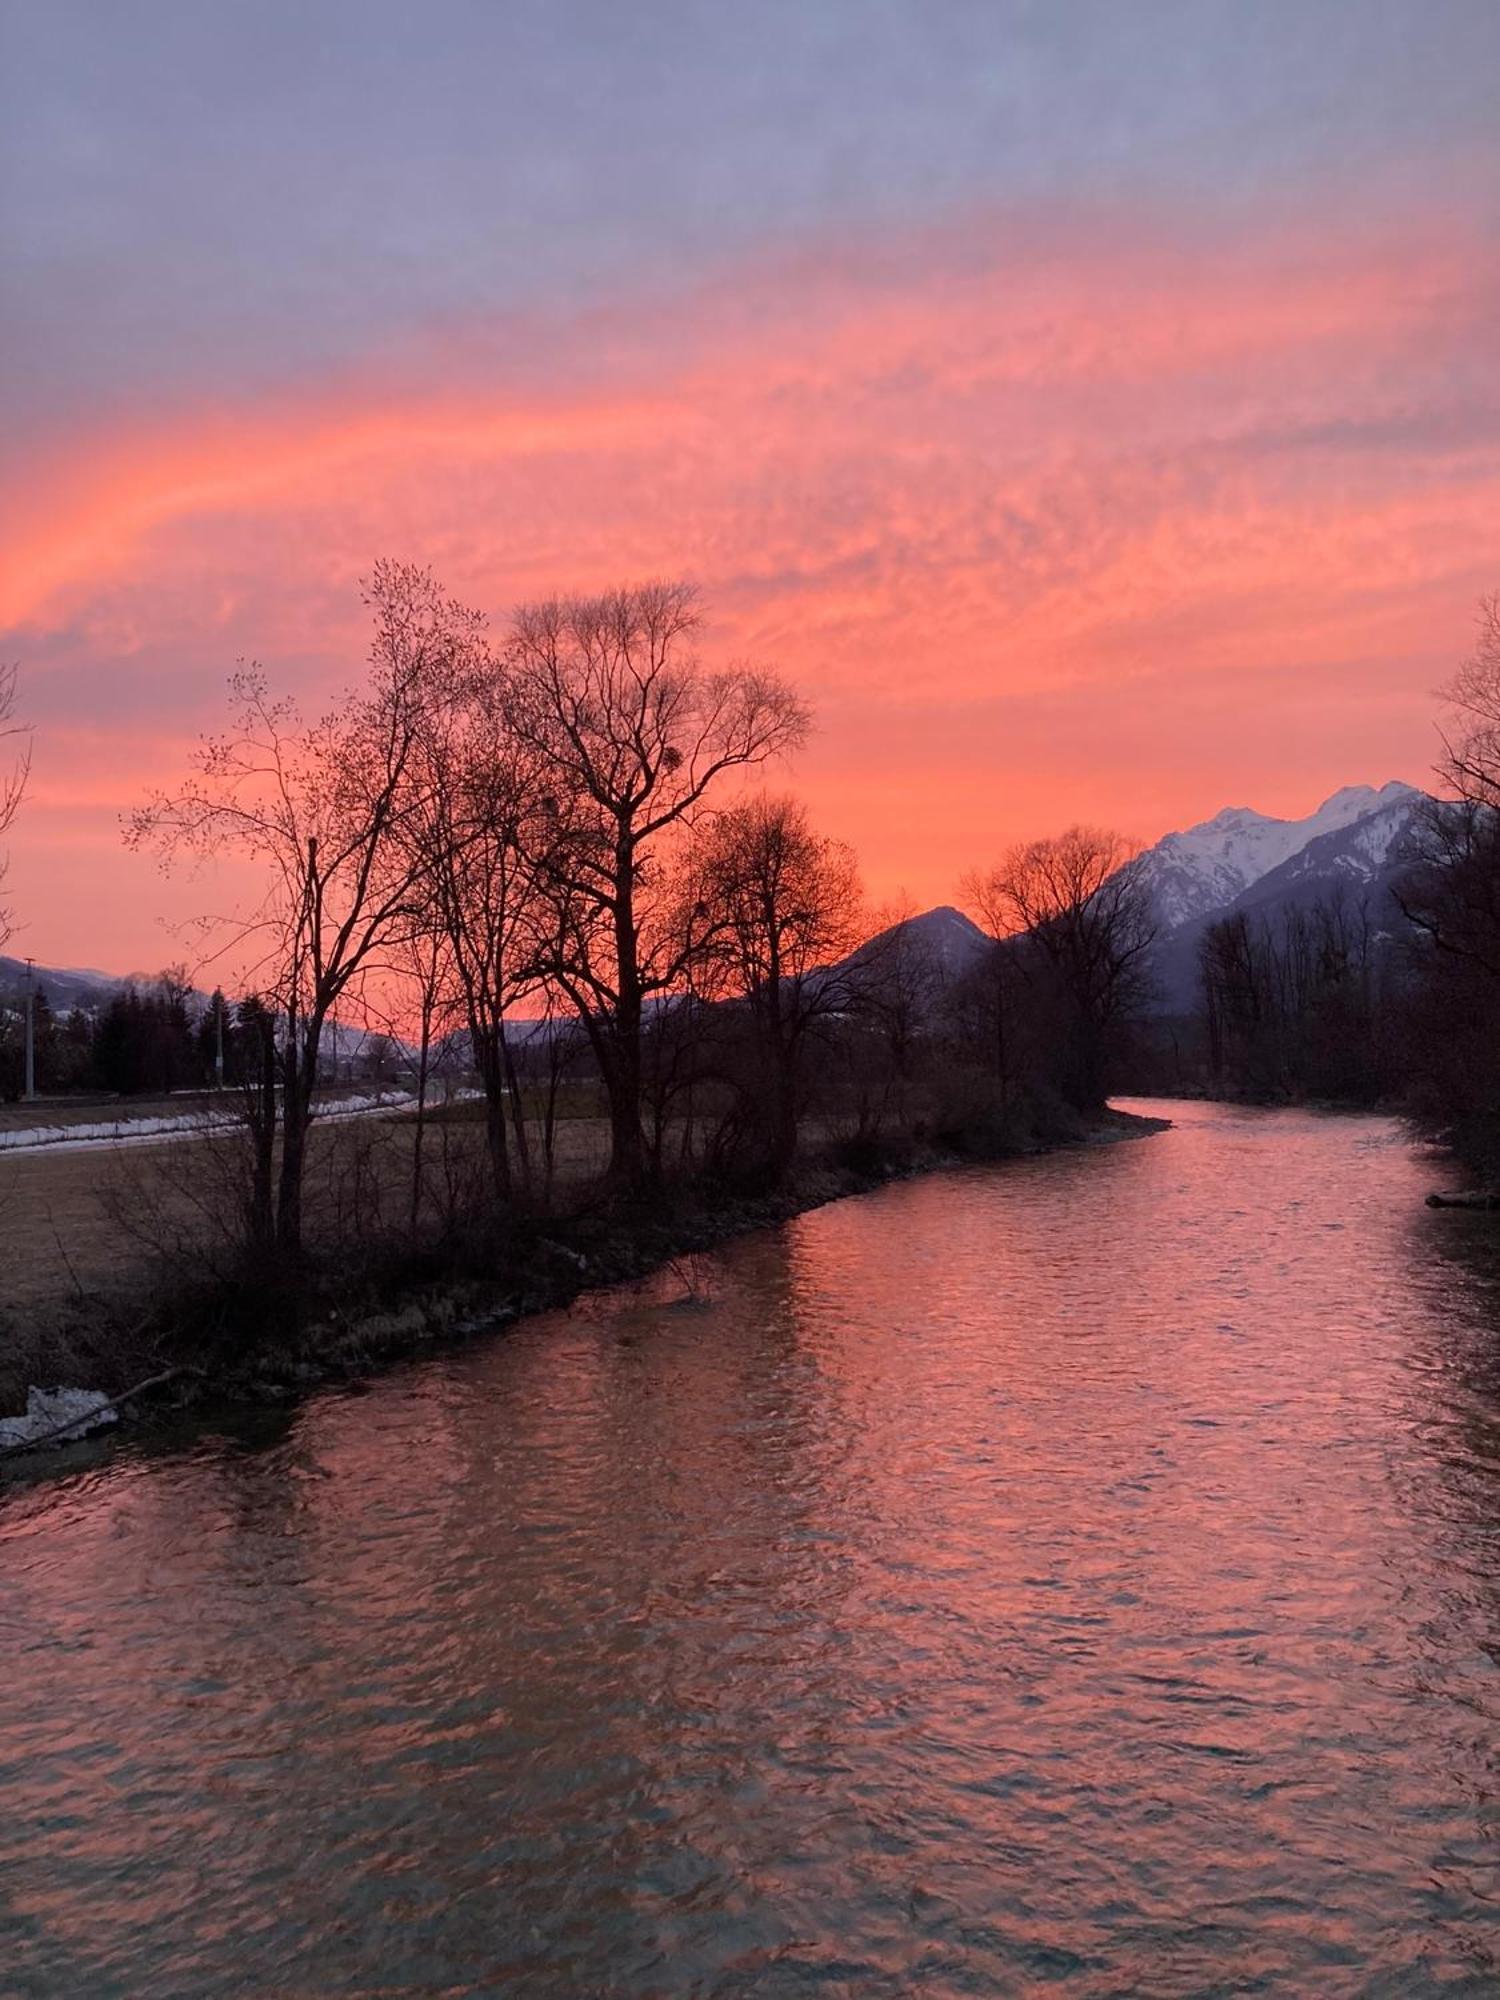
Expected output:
(1107, 518)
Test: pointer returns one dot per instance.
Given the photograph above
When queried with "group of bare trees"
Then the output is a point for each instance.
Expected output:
(1390, 994)
(1303, 1003)
(1072, 973)
(535, 845)
(779, 905)
(506, 824)
(630, 734)
(327, 813)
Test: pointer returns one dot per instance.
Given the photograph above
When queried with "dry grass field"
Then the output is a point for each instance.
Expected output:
(102, 1221)
(64, 1113)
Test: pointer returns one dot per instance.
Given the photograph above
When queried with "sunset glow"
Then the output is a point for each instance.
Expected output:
(1053, 503)
(750, 997)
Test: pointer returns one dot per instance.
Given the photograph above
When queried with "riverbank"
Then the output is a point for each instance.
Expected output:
(400, 1309)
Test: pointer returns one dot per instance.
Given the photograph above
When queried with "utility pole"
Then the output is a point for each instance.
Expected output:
(30, 1029)
(219, 1044)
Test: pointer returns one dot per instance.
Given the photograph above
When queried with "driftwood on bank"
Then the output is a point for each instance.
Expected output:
(1468, 1198)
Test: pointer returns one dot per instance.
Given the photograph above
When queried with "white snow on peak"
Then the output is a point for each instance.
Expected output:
(1207, 866)
(1370, 842)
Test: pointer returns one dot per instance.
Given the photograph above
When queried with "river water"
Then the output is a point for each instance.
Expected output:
(1081, 1575)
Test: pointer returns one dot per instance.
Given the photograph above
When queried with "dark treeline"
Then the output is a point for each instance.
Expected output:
(1073, 968)
(149, 1039)
(1306, 1002)
(551, 852)
(547, 861)
(1450, 899)
(1389, 996)
(144, 1040)
(542, 874)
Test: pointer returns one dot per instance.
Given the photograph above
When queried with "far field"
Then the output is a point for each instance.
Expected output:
(100, 1221)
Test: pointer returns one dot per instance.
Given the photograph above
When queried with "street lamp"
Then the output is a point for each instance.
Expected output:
(30, 1029)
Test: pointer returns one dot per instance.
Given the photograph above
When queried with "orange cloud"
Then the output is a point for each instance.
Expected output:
(1116, 520)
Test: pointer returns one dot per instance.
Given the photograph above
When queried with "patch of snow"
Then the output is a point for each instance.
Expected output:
(57, 1416)
(195, 1124)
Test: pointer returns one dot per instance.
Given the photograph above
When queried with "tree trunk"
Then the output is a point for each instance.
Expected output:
(1002, 1050)
(263, 1109)
(484, 1038)
(294, 1123)
(627, 1150)
(300, 1075)
(421, 1127)
(517, 1107)
(784, 1129)
(627, 1153)
(783, 1073)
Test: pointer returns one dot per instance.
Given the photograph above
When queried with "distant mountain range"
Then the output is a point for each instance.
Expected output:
(1240, 860)
(1202, 871)
(65, 987)
(1244, 862)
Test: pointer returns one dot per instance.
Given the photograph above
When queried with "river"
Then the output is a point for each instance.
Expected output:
(1079, 1575)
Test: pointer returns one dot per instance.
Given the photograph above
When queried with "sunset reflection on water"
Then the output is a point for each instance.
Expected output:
(1081, 1572)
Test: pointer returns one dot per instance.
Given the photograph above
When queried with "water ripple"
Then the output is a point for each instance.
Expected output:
(1083, 1575)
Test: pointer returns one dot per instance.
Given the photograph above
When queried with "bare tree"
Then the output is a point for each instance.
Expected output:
(1083, 916)
(636, 732)
(783, 905)
(1450, 897)
(16, 738)
(1470, 764)
(1294, 1001)
(423, 968)
(324, 810)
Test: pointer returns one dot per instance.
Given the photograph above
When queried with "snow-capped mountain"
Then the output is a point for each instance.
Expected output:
(1355, 857)
(1361, 854)
(1199, 872)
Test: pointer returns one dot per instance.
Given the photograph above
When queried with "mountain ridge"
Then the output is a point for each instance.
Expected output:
(1206, 867)
(1363, 855)
(1240, 859)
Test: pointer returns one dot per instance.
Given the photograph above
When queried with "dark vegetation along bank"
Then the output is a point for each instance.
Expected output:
(221, 1346)
(634, 995)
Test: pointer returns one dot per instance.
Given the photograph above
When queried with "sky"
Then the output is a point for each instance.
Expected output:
(1095, 409)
